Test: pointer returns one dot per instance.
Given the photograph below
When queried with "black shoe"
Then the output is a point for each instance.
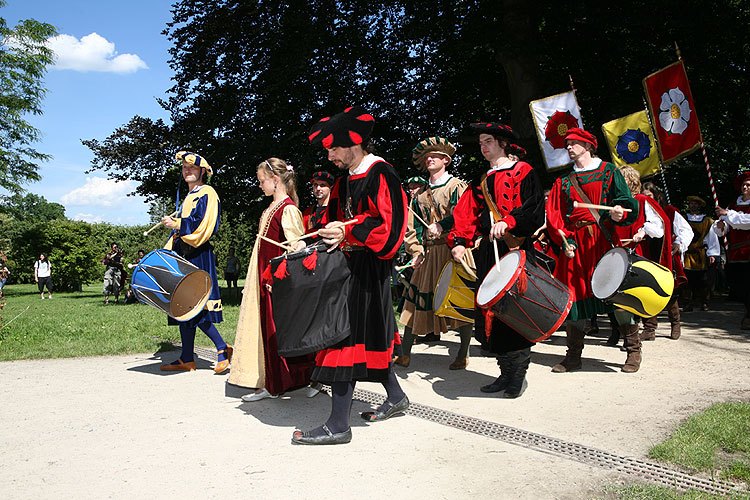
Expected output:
(430, 337)
(498, 385)
(329, 437)
(386, 410)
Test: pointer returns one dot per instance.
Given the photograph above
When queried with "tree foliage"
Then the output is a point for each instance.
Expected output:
(252, 77)
(30, 207)
(24, 58)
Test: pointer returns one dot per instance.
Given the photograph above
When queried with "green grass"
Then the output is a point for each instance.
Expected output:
(79, 324)
(716, 440)
(642, 491)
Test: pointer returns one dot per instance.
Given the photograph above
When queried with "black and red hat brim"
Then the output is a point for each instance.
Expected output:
(351, 127)
(496, 129)
(322, 176)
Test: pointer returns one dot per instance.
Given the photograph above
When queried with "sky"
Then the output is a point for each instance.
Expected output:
(111, 65)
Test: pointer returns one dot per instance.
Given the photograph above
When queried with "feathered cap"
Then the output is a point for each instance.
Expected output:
(194, 159)
(416, 180)
(435, 145)
(351, 127)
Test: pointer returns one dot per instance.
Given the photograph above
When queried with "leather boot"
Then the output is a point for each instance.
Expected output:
(673, 312)
(649, 328)
(572, 360)
(519, 365)
(633, 348)
(614, 337)
(506, 370)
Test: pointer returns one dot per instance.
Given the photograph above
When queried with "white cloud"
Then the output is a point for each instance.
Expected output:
(92, 53)
(99, 192)
(90, 218)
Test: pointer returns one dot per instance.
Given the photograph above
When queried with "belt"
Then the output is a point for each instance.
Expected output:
(432, 243)
(583, 223)
(351, 248)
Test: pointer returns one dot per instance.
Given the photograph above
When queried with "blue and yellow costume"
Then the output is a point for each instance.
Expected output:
(199, 218)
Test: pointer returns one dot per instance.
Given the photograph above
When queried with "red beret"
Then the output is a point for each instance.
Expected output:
(352, 126)
(578, 134)
(321, 175)
(740, 179)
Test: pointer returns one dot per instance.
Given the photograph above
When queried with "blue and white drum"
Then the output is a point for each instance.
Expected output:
(166, 281)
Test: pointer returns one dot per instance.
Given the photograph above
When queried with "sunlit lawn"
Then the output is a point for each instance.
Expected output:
(79, 324)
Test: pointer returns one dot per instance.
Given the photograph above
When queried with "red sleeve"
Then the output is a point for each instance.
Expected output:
(556, 210)
(465, 219)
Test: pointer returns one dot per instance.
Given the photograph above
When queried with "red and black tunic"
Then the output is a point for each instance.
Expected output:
(376, 200)
(518, 196)
(314, 218)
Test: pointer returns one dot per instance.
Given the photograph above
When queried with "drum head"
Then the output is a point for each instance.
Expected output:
(609, 273)
(444, 283)
(499, 278)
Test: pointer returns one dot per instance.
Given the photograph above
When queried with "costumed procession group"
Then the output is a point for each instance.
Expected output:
(511, 263)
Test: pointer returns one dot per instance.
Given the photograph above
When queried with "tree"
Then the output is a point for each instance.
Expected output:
(261, 73)
(31, 207)
(24, 58)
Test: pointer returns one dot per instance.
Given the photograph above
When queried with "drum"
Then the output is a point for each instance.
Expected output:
(168, 282)
(524, 296)
(632, 282)
(309, 299)
(454, 293)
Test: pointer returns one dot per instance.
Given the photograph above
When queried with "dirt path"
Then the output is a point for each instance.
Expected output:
(115, 427)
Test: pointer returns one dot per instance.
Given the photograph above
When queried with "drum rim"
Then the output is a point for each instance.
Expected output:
(628, 253)
(449, 262)
(511, 282)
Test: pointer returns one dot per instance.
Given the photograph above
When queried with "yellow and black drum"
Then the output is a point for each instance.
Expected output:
(454, 293)
(632, 282)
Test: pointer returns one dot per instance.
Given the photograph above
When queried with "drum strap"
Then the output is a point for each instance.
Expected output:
(435, 211)
(595, 214)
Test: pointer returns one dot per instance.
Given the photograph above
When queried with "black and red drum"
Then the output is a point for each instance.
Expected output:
(166, 281)
(524, 296)
(310, 299)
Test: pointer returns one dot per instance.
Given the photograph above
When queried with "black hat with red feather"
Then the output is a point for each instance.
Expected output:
(351, 127)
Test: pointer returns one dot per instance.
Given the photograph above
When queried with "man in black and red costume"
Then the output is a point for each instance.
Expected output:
(371, 194)
(505, 204)
(314, 217)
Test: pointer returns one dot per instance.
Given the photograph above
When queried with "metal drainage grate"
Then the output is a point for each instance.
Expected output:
(651, 472)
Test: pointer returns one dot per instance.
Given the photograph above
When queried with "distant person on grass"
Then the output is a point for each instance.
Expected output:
(232, 273)
(113, 273)
(43, 274)
(4, 273)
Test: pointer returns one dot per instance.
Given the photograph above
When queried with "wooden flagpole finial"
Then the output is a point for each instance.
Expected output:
(677, 50)
(572, 87)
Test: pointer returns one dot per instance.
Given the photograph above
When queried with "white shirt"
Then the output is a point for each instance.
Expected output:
(733, 218)
(441, 180)
(593, 165)
(366, 163)
(682, 231)
(654, 226)
(43, 269)
(711, 241)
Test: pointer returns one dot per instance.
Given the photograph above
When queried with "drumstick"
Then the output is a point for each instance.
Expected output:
(497, 255)
(626, 240)
(564, 239)
(420, 219)
(313, 234)
(145, 233)
(468, 269)
(577, 204)
(273, 242)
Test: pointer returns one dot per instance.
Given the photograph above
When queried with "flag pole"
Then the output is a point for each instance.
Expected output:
(661, 166)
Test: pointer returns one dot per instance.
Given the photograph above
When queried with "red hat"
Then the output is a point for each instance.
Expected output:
(320, 175)
(578, 134)
(740, 179)
(494, 128)
(352, 126)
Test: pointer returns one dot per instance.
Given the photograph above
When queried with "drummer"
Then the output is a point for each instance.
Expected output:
(198, 221)
(505, 205)
(369, 193)
(585, 243)
(433, 203)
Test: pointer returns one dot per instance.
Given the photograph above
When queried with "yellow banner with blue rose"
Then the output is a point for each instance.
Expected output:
(631, 142)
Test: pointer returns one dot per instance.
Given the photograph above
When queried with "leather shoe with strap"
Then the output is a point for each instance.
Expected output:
(386, 410)
(224, 363)
(178, 366)
(300, 437)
